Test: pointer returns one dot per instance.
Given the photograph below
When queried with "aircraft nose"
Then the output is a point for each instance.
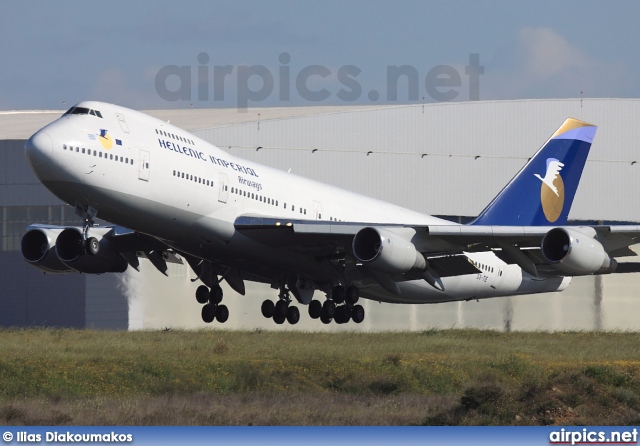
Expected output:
(38, 148)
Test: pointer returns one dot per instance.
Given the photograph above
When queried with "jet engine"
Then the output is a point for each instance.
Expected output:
(93, 256)
(576, 252)
(387, 251)
(38, 249)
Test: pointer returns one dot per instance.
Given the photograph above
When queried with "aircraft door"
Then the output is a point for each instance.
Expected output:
(317, 207)
(145, 161)
(122, 122)
(224, 188)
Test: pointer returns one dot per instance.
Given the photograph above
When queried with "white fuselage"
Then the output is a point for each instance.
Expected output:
(152, 177)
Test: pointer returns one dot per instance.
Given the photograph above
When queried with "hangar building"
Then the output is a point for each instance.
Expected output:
(446, 159)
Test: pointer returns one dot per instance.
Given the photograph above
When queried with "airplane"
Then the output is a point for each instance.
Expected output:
(170, 196)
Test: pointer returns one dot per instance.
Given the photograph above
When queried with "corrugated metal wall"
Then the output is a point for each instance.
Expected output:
(448, 158)
(449, 180)
(30, 297)
(18, 185)
(471, 150)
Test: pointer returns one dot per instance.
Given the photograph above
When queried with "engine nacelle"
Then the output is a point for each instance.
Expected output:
(386, 251)
(38, 249)
(71, 250)
(576, 252)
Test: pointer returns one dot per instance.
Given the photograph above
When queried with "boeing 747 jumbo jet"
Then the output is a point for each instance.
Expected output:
(173, 197)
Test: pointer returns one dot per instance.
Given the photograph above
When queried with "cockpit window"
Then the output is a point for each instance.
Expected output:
(77, 111)
(83, 111)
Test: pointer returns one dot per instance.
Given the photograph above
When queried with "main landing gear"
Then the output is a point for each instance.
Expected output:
(341, 306)
(212, 308)
(281, 310)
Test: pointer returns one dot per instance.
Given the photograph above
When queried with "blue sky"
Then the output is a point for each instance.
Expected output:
(57, 53)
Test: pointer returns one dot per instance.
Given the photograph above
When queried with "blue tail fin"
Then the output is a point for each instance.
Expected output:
(542, 192)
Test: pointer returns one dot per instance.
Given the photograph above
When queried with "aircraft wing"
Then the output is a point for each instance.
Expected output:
(612, 238)
(112, 242)
(439, 244)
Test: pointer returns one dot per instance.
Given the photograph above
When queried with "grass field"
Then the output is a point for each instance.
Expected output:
(450, 377)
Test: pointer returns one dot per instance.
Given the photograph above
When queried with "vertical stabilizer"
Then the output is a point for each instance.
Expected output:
(541, 194)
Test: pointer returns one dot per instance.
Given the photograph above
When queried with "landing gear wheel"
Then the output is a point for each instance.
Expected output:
(279, 318)
(329, 309)
(268, 308)
(325, 320)
(202, 294)
(342, 314)
(357, 314)
(315, 309)
(352, 295)
(92, 245)
(281, 309)
(338, 294)
(208, 313)
(222, 313)
(293, 315)
(215, 295)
